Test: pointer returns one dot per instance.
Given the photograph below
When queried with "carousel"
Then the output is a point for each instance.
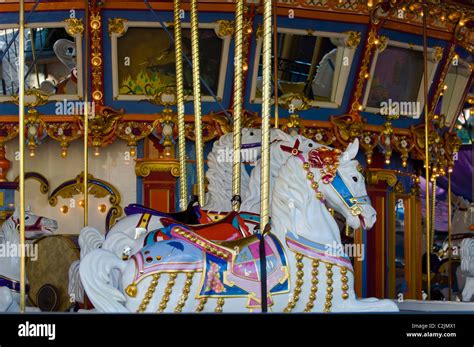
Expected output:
(236, 156)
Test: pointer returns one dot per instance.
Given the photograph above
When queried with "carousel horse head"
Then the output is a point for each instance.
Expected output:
(341, 184)
(35, 226)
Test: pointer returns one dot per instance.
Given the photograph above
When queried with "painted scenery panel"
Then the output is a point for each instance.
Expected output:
(397, 76)
(146, 61)
(50, 61)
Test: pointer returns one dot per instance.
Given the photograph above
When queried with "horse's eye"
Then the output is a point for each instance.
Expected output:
(27, 217)
(310, 145)
(355, 179)
(251, 133)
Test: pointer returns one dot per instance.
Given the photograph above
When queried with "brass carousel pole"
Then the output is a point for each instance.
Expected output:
(86, 115)
(197, 103)
(21, 115)
(266, 105)
(238, 79)
(427, 162)
(183, 184)
(450, 231)
(275, 62)
(433, 208)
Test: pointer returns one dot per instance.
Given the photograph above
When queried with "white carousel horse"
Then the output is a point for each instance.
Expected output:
(128, 234)
(301, 224)
(65, 51)
(35, 227)
(467, 268)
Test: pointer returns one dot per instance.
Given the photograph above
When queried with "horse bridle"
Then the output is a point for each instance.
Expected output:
(32, 227)
(353, 203)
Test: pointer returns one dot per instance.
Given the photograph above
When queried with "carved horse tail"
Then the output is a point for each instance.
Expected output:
(96, 275)
(89, 240)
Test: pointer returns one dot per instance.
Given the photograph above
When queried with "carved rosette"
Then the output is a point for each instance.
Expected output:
(324, 136)
(132, 132)
(386, 141)
(403, 144)
(368, 141)
(64, 133)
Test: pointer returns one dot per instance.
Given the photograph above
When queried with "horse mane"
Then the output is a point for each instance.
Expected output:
(10, 232)
(219, 175)
(294, 207)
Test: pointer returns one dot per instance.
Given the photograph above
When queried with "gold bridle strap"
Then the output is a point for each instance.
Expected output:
(144, 221)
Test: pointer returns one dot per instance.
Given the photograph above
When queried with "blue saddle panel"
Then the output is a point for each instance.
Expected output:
(169, 255)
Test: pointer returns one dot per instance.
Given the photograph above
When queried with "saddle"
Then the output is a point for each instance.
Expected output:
(191, 215)
(229, 268)
(231, 227)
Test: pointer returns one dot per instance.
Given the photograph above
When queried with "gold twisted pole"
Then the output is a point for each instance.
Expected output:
(86, 115)
(266, 104)
(238, 79)
(427, 156)
(450, 231)
(433, 207)
(183, 184)
(197, 103)
(275, 61)
(21, 115)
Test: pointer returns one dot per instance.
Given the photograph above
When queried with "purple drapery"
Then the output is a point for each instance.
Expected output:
(441, 207)
(461, 185)
(462, 176)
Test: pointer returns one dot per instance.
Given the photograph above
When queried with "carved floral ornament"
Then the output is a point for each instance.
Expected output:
(108, 124)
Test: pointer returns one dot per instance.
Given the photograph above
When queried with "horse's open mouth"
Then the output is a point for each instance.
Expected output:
(48, 230)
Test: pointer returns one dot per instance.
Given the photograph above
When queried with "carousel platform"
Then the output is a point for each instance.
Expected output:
(435, 306)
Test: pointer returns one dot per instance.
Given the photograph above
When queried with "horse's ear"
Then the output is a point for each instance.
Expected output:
(28, 208)
(277, 134)
(16, 214)
(351, 150)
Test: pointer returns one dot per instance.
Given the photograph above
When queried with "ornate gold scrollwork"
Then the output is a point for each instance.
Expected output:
(354, 38)
(368, 141)
(225, 28)
(102, 125)
(347, 128)
(43, 181)
(117, 26)
(74, 26)
(97, 188)
(132, 132)
(33, 98)
(145, 167)
(376, 176)
(295, 102)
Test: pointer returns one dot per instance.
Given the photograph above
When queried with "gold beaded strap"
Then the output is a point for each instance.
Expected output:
(149, 293)
(220, 305)
(344, 280)
(185, 294)
(329, 288)
(314, 286)
(202, 303)
(168, 291)
(299, 283)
